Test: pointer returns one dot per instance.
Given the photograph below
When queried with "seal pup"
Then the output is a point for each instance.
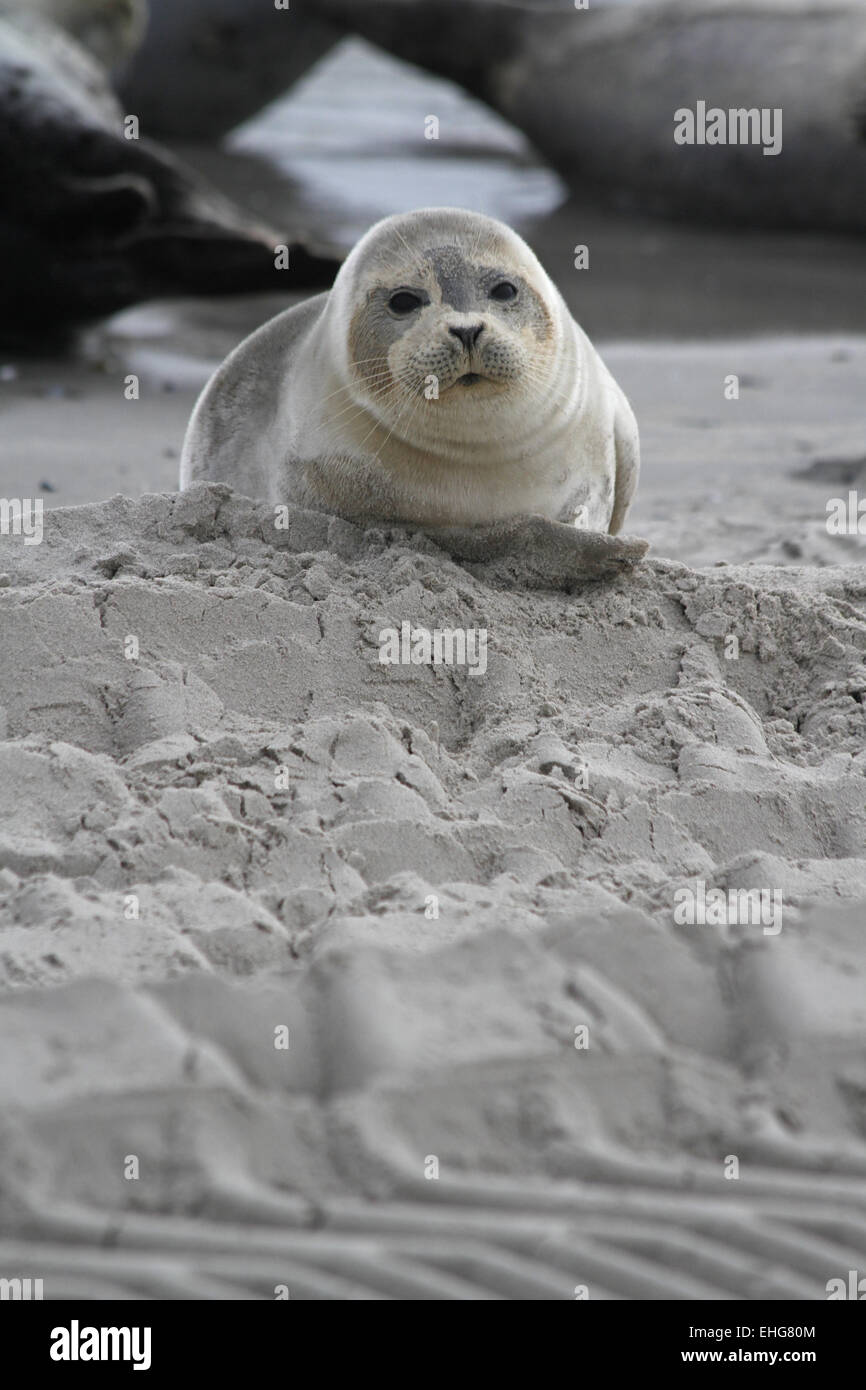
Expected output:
(93, 222)
(443, 383)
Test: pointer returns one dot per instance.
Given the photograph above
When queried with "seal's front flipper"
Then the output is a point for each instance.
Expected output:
(540, 553)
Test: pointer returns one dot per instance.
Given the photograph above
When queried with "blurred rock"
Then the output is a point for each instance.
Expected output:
(207, 64)
(109, 29)
(596, 90)
(96, 219)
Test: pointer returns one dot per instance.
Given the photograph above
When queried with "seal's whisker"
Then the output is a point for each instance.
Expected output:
(376, 386)
(370, 383)
(378, 396)
(414, 404)
(360, 410)
(380, 424)
(541, 392)
(544, 392)
(349, 385)
(409, 401)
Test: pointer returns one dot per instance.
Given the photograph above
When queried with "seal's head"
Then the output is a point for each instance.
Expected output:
(448, 307)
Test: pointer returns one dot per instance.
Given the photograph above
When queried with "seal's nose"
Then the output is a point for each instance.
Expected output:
(468, 334)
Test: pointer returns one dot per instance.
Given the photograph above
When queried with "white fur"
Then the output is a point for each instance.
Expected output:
(289, 418)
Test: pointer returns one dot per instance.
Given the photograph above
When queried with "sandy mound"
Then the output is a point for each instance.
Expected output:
(223, 818)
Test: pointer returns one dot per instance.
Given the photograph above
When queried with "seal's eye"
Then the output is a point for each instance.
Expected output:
(504, 291)
(404, 302)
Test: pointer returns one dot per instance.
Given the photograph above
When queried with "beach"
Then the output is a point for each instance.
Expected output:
(394, 980)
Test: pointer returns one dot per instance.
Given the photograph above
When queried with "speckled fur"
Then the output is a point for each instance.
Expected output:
(344, 405)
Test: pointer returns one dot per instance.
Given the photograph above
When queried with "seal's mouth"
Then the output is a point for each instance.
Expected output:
(469, 379)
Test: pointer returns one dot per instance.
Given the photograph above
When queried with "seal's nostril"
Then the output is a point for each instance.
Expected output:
(468, 335)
